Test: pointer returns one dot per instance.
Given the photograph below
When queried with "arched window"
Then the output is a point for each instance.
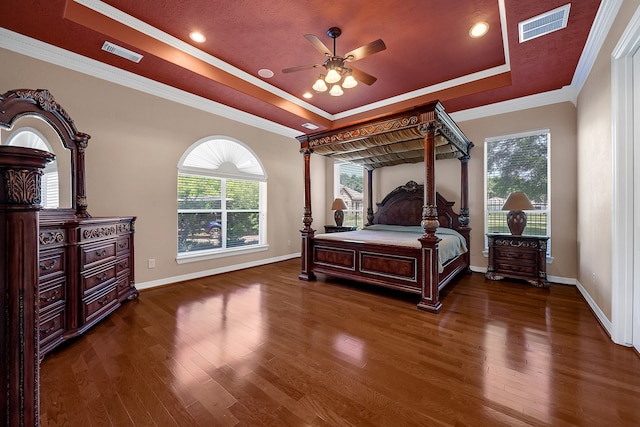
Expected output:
(221, 199)
(31, 138)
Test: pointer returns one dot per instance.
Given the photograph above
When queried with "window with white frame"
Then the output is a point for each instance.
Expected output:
(518, 163)
(349, 180)
(31, 138)
(221, 198)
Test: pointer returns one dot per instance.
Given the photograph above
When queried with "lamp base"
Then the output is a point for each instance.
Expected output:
(339, 217)
(517, 221)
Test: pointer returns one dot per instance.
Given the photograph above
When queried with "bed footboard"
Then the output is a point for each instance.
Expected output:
(405, 269)
(397, 269)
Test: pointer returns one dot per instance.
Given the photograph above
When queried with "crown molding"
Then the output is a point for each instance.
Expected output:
(566, 94)
(54, 55)
(601, 25)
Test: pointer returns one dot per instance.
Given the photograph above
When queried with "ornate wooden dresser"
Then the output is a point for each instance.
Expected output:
(85, 273)
(61, 271)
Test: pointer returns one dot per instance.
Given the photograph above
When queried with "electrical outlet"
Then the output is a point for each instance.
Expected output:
(152, 263)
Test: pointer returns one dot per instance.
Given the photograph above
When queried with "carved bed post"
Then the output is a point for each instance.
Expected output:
(307, 232)
(430, 299)
(464, 190)
(463, 219)
(20, 173)
(369, 196)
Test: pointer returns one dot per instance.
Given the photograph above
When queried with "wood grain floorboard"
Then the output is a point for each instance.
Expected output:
(258, 347)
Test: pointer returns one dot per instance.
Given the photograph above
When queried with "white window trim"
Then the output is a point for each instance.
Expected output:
(187, 257)
(201, 255)
(485, 251)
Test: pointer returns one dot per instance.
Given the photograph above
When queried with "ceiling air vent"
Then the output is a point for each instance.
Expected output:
(546, 23)
(310, 126)
(121, 52)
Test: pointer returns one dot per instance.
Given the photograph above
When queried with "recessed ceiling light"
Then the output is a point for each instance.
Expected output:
(266, 73)
(479, 29)
(307, 95)
(310, 126)
(197, 37)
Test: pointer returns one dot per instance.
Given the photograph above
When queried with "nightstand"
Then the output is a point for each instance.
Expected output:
(518, 257)
(336, 229)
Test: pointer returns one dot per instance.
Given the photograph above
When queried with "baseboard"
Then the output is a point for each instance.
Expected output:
(606, 323)
(212, 272)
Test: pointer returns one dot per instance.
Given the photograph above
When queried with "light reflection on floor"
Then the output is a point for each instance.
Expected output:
(350, 349)
(222, 329)
(511, 367)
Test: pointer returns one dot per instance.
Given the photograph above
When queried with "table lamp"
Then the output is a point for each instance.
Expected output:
(516, 204)
(338, 205)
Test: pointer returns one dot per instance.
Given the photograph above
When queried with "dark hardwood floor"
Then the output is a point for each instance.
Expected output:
(259, 347)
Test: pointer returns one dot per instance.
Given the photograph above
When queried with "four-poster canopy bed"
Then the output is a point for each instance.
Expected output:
(403, 244)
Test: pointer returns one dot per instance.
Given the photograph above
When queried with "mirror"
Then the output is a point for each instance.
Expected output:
(33, 132)
(33, 118)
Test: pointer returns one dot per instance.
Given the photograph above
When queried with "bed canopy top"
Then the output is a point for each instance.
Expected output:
(391, 140)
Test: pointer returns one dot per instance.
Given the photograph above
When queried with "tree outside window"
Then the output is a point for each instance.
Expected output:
(518, 163)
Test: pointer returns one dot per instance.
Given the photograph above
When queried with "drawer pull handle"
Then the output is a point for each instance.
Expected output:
(123, 264)
(122, 245)
(104, 300)
(101, 253)
(51, 329)
(45, 267)
(102, 277)
(53, 296)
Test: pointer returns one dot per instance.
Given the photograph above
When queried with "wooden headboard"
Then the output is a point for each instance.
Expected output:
(403, 206)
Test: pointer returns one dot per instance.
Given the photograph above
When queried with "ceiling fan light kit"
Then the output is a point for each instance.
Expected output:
(320, 85)
(333, 76)
(336, 90)
(337, 75)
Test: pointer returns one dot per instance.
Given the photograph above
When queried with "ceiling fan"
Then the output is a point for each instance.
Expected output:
(336, 69)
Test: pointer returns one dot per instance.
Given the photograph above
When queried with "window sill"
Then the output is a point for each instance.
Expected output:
(187, 257)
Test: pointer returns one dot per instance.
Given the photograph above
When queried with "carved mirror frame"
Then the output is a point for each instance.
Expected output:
(18, 103)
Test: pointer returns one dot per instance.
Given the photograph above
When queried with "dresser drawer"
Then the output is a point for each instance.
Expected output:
(93, 255)
(516, 255)
(50, 237)
(52, 294)
(51, 263)
(122, 246)
(100, 304)
(51, 326)
(94, 281)
(124, 285)
(123, 265)
(517, 269)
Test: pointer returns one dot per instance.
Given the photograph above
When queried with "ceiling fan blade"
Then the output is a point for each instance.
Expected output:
(363, 77)
(320, 47)
(366, 50)
(300, 68)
